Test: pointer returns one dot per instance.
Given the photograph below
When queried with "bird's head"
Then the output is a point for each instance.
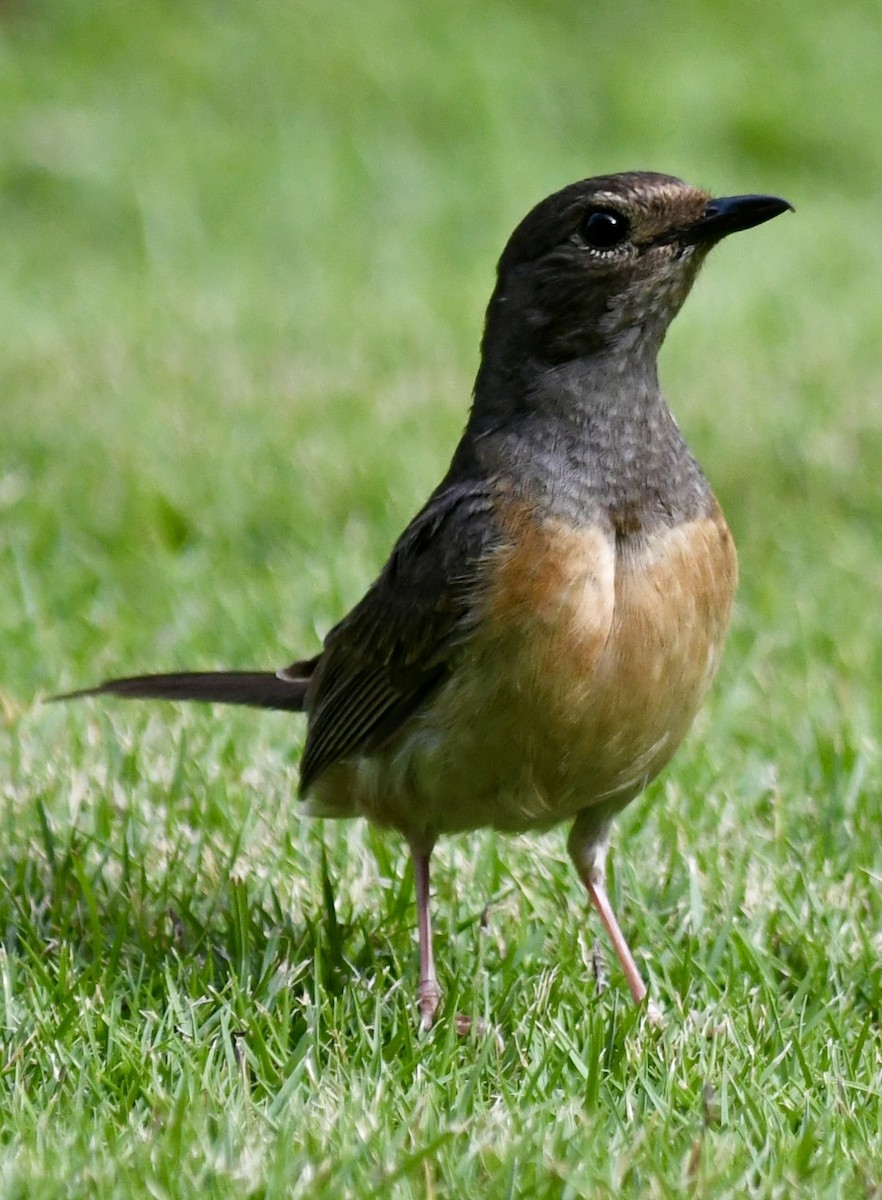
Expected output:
(605, 264)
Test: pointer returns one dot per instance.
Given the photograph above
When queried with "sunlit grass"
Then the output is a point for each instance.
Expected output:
(244, 260)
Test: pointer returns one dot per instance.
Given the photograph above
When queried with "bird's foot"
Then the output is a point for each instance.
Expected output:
(655, 1018)
(477, 1027)
(428, 999)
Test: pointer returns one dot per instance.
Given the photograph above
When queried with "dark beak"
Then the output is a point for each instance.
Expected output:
(730, 214)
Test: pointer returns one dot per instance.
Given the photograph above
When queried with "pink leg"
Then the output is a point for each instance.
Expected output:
(428, 993)
(588, 843)
(597, 892)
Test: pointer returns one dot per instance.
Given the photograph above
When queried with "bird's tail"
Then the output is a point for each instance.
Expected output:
(285, 690)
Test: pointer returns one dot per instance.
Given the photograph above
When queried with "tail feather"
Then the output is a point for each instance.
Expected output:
(257, 689)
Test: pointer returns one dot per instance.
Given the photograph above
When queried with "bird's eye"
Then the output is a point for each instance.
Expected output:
(603, 228)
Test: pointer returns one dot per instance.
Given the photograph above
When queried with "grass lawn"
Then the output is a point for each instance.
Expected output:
(245, 253)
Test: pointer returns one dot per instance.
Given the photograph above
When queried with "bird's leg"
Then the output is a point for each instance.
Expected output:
(428, 993)
(588, 845)
(600, 899)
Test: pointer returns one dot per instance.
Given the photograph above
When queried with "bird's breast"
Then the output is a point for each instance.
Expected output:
(606, 646)
(591, 657)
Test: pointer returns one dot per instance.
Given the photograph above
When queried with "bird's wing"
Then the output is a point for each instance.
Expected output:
(383, 659)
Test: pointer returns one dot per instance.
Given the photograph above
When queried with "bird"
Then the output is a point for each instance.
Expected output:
(546, 627)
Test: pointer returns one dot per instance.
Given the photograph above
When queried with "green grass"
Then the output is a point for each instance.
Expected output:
(244, 257)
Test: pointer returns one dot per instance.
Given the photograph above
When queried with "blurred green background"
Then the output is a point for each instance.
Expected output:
(245, 250)
(245, 255)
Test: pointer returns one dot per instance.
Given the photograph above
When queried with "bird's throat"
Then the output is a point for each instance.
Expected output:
(591, 439)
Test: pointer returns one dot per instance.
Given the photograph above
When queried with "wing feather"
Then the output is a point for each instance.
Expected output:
(383, 660)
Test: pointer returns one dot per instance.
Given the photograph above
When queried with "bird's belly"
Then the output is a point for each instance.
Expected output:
(590, 662)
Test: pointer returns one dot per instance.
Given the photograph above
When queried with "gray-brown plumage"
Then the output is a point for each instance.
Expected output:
(546, 627)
